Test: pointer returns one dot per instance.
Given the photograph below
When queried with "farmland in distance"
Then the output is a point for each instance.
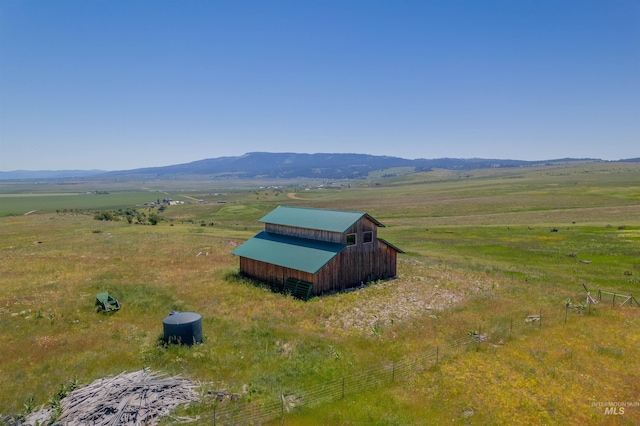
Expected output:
(483, 248)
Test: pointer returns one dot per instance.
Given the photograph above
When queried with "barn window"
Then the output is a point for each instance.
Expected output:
(367, 237)
(351, 239)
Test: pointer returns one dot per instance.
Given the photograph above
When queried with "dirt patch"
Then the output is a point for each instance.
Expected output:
(417, 292)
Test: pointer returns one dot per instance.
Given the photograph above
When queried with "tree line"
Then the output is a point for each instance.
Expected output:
(132, 216)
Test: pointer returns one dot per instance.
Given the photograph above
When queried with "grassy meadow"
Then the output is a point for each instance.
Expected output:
(484, 249)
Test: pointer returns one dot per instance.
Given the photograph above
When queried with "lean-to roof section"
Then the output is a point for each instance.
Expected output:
(301, 254)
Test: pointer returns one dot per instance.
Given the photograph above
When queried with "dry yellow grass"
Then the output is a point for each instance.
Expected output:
(471, 274)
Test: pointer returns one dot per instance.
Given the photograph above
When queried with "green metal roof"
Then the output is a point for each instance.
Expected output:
(301, 254)
(325, 220)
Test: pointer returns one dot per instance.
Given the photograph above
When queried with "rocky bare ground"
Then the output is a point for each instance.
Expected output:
(419, 290)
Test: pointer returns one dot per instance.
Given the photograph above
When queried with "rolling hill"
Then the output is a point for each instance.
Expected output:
(284, 165)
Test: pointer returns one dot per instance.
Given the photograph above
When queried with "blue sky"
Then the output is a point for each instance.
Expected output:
(125, 84)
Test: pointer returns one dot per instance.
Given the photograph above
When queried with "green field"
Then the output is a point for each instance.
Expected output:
(484, 249)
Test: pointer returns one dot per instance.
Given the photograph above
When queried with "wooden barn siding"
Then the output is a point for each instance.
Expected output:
(328, 278)
(354, 265)
(352, 268)
(388, 261)
(359, 262)
(359, 227)
(338, 274)
(267, 271)
(314, 234)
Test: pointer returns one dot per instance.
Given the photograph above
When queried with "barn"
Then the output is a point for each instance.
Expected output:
(320, 250)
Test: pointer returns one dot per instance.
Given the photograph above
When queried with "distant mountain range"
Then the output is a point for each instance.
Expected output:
(286, 165)
(48, 174)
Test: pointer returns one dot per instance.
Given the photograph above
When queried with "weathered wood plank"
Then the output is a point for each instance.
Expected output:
(140, 397)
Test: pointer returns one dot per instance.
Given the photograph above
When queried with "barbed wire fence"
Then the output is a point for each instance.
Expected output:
(251, 413)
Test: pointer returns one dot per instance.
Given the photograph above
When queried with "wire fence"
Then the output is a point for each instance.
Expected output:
(248, 413)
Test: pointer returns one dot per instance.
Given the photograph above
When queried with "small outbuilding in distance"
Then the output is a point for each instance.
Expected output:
(319, 250)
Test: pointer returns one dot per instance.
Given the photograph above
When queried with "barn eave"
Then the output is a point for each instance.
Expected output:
(297, 253)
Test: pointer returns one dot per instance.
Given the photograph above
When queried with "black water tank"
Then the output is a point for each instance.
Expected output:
(183, 327)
